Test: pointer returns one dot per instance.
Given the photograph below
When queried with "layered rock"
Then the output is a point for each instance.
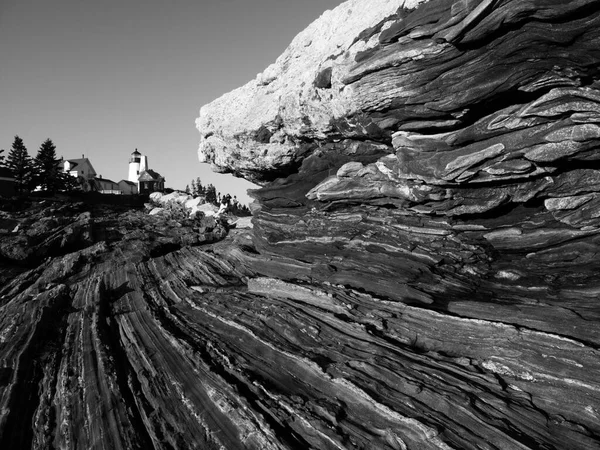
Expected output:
(422, 272)
(197, 349)
(388, 68)
(443, 160)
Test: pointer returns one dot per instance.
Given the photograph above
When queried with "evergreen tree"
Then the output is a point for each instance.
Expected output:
(1, 158)
(20, 164)
(197, 190)
(211, 194)
(238, 209)
(187, 189)
(68, 182)
(47, 169)
(201, 190)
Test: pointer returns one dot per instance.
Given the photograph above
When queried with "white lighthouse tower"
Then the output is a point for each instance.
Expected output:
(140, 175)
(134, 166)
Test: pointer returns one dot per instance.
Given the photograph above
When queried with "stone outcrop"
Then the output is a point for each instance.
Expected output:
(177, 200)
(258, 130)
(441, 159)
(422, 271)
(182, 206)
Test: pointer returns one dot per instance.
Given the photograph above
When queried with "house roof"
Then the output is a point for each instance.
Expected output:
(105, 179)
(150, 175)
(75, 162)
(130, 183)
(102, 184)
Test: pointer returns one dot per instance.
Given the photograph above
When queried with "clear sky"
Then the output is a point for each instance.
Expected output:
(101, 78)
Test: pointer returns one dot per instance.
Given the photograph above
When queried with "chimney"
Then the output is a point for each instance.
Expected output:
(144, 163)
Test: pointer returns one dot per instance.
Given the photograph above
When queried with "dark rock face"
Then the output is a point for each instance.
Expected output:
(422, 275)
(222, 346)
(452, 213)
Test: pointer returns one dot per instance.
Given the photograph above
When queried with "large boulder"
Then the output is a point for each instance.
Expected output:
(389, 69)
(179, 205)
(206, 209)
(441, 156)
(256, 130)
(171, 198)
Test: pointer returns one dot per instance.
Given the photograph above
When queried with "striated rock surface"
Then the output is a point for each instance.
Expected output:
(431, 178)
(422, 272)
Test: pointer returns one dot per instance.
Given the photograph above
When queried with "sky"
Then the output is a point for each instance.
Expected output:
(102, 78)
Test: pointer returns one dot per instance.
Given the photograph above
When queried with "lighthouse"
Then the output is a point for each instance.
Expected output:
(145, 179)
(134, 166)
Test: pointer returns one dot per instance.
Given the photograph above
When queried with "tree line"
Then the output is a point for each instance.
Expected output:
(43, 172)
(211, 195)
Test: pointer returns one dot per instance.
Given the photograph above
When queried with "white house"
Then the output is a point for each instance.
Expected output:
(106, 186)
(128, 187)
(80, 167)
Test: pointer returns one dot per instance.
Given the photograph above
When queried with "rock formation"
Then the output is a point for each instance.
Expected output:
(422, 271)
(438, 162)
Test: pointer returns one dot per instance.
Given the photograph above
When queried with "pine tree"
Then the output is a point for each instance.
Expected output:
(211, 194)
(197, 190)
(1, 158)
(20, 164)
(68, 182)
(200, 188)
(46, 168)
(187, 189)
